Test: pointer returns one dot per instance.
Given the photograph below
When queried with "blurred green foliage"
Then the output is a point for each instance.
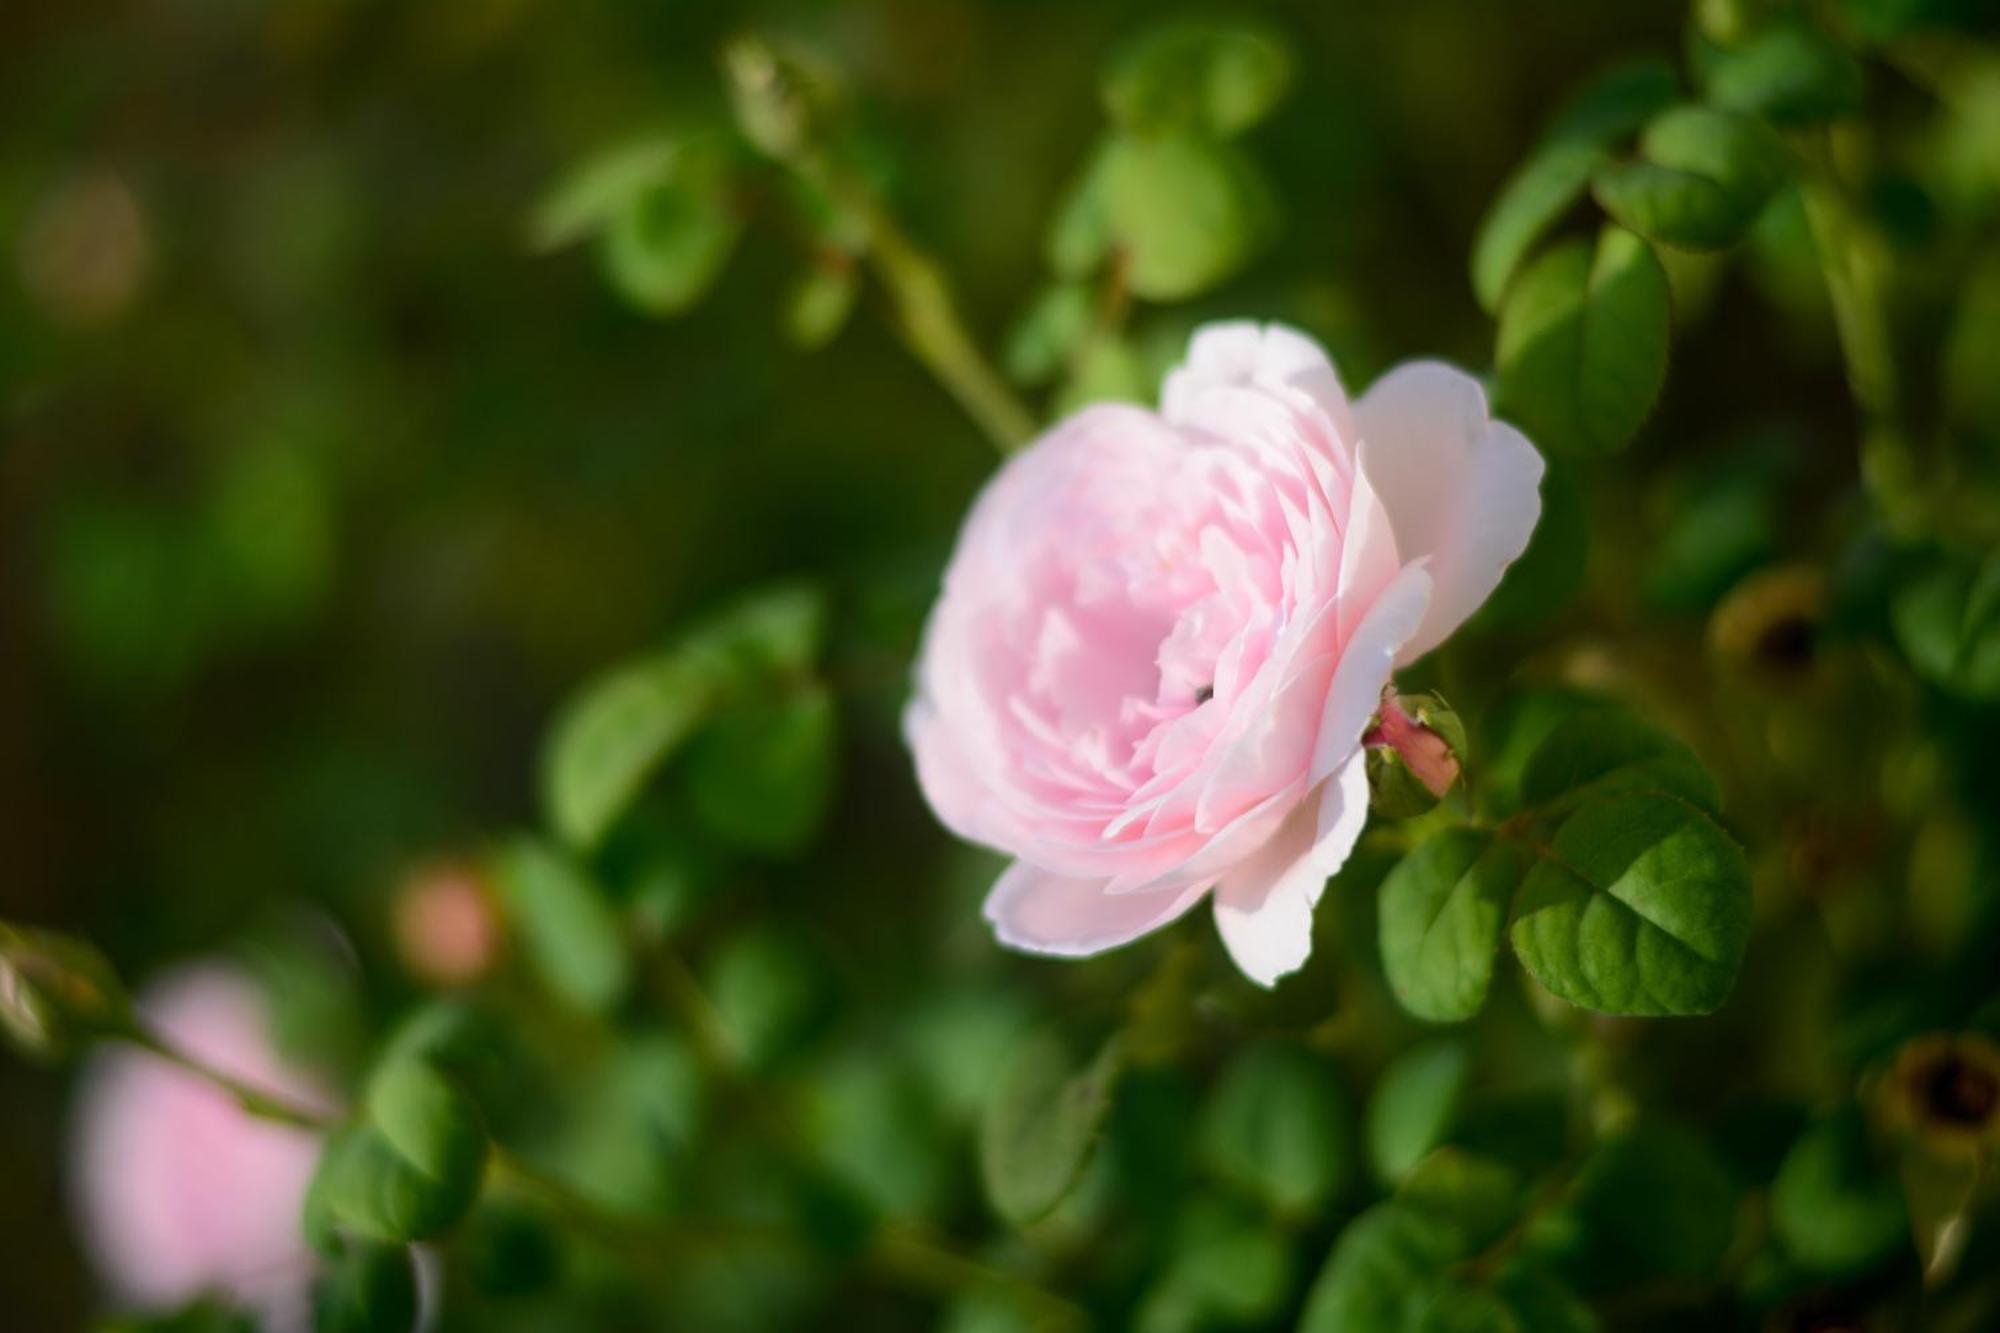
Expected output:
(367, 514)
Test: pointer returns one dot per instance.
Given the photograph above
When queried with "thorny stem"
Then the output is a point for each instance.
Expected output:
(927, 316)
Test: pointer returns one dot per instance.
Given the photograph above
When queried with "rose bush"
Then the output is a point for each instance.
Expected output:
(1162, 635)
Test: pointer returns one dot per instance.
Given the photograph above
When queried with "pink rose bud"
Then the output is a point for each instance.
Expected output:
(1162, 635)
(176, 1190)
(1414, 750)
(445, 926)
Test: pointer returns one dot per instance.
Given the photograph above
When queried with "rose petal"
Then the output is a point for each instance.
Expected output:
(1365, 666)
(1460, 488)
(1264, 906)
(1034, 910)
(1241, 353)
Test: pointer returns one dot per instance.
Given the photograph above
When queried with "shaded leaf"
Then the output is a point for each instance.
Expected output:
(1040, 1125)
(1835, 1206)
(760, 774)
(1790, 74)
(570, 932)
(1582, 347)
(1412, 1106)
(1442, 909)
(1216, 77)
(1276, 1126)
(1702, 178)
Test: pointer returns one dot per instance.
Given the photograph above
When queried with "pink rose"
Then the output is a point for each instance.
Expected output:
(177, 1192)
(1162, 636)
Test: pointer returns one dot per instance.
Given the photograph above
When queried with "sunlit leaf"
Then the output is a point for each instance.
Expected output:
(1187, 212)
(1641, 905)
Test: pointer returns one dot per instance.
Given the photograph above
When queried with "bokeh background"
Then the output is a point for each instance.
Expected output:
(319, 490)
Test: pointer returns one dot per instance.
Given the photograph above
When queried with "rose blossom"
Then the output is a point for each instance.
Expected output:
(1162, 636)
(177, 1191)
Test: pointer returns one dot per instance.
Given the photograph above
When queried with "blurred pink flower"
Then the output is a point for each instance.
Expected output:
(177, 1192)
(1162, 636)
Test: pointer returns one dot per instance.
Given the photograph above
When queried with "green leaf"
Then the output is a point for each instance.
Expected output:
(1616, 102)
(1079, 236)
(409, 1168)
(1412, 1106)
(1651, 1203)
(429, 1121)
(1224, 1268)
(1548, 575)
(571, 934)
(585, 200)
(760, 773)
(666, 245)
(1442, 909)
(369, 1289)
(1640, 906)
(1109, 371)
(613, 737)
(1276, 1127)
(1384, 1274)
(1583, 343)
(1947, 620)
(1835, 1206)
(1703, 177)
(771, 991)
(1188, 212)
(1534, 198)
(1048, 333)
(1599, 748)
(1213, 77)
(818, 307)
(621, 727)
(1789, 74)
(1390, 1271)
(775, 633)
(1474, 1198)
(1040, 1125)
(1540, 1303)
(507, 1250)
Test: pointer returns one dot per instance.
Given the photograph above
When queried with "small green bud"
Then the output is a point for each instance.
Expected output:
(57, 992)
(1415, 751)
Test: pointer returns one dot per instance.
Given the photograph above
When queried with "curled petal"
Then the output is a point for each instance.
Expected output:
(1462, 490)
(1365, 666)
(1034, 910)
(1264, 906)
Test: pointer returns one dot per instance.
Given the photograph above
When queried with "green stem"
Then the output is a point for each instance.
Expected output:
(253, 1101)
(1856, 267)
(911, 1258)
(776, 115)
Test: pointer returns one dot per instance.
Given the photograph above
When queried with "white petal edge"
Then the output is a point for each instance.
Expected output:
(1038, 912)
(1246, 354)
(1461, 489)
(1264, 906)
(1366, 662)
